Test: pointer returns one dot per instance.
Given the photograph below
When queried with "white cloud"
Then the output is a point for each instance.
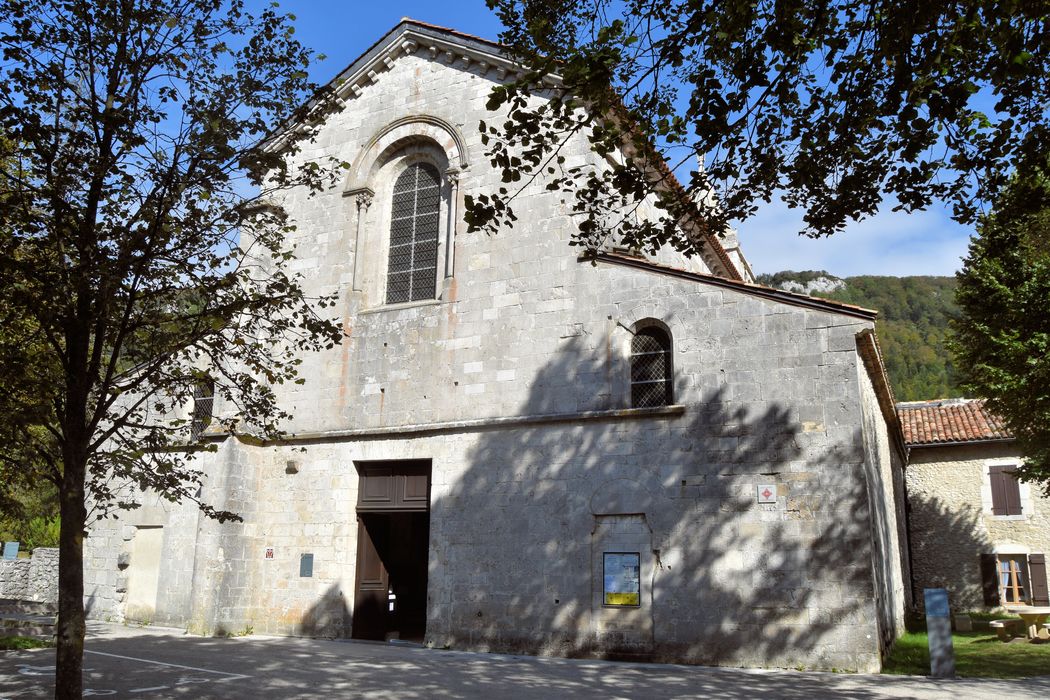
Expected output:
(891, 243)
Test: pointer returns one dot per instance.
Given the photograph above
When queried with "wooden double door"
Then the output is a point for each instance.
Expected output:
(393, 544)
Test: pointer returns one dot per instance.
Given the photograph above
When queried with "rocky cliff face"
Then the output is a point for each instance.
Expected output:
(823, 285)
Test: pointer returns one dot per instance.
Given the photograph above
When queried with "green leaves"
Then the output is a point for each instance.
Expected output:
(1001, 340)
(837, 106)
(135, 256)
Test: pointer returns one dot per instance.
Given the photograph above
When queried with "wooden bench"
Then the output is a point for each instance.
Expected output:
(1005, 629)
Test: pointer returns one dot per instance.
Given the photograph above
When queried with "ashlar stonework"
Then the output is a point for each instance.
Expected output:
(462, 463)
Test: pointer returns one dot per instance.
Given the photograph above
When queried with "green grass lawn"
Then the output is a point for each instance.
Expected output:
(9, 643)
(978, 654)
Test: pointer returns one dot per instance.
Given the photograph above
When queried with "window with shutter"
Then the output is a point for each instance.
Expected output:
(1014, 579)
(1006, 494)
(414, 224)
(651, 368)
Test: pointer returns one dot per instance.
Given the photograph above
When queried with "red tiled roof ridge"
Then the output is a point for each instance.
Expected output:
(954, 420)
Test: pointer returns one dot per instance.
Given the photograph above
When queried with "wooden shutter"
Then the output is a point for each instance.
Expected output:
(995, 474)
(990, 580)
(1013, 492)
(1037, 571)
(1006, 494)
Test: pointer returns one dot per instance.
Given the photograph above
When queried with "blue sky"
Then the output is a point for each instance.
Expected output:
(928, 243)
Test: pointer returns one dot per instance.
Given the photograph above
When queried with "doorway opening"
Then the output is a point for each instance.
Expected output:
(393, 545)
(144, 574)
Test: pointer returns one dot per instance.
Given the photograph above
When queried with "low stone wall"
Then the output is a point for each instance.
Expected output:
(14, 578)
(33, 579)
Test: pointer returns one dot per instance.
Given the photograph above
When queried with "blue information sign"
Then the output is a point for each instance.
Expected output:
(10, 550)
(936, 602)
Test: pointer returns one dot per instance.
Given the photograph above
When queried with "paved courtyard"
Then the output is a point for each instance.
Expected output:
(129, 662)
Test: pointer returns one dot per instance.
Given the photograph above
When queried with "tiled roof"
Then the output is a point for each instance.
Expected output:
(948, 421)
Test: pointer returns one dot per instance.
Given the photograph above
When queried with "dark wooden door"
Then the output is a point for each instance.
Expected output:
(373, 582)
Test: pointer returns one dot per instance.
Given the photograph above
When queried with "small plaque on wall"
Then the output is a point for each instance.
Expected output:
(306, 565)
(767, 493)
(268, 553)
(622, 585)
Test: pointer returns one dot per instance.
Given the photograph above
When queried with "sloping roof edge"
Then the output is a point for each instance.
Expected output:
(778, 295)
(871, 356)
(410, 35)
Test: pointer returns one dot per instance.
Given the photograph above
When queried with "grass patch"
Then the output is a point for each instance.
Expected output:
(9, 643)
(978, 654)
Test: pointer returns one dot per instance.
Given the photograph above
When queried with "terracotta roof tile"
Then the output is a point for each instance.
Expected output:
(949, 420)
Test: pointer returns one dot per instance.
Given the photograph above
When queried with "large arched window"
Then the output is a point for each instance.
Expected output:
(414, 223)
(651, 368)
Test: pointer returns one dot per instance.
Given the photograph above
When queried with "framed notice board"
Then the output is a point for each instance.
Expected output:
(622, 580)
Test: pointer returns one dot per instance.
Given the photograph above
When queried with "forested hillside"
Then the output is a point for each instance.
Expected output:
(913, 322)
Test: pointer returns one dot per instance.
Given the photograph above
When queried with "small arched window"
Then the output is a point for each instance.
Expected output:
(414, 223)
(651, 368)
(203, 400)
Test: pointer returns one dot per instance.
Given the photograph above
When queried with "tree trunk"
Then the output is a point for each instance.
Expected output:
(71, 625)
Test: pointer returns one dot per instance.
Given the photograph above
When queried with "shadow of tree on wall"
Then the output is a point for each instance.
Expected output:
(946, 546)
(329, 617)
(512, 564)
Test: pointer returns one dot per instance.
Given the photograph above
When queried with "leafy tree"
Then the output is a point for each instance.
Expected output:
(1001, 342)
(836, 106)
(914, 313)
(133, 260)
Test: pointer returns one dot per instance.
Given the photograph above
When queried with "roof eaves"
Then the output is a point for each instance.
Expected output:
(871, 356)
(778, 295)
(959, 443)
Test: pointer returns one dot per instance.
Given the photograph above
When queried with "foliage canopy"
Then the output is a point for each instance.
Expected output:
(835, 106)
(143, 247)
(1001, 342)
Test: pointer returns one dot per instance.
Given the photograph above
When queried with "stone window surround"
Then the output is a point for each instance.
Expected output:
(370, 276)
(412, 139)
(642, 323)
(986, 491)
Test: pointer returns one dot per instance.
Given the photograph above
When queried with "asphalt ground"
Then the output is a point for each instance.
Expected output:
(147, 662)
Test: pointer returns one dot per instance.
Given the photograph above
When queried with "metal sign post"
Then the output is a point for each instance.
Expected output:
(939, 632)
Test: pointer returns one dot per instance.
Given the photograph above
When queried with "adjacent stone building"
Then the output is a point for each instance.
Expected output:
(974, 529)
(515, 449)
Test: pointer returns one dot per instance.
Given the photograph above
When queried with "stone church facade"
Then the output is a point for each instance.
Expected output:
(518, 450)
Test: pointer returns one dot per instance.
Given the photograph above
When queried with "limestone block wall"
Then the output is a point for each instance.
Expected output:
(884, 473)
(43, 575)
(766, 394)
(14, 578)
(35, 578)
(952, 522)
(436, 361)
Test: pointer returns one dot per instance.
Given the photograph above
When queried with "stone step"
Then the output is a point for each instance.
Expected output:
(36, 631)
(20, 625)
(26, 607)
